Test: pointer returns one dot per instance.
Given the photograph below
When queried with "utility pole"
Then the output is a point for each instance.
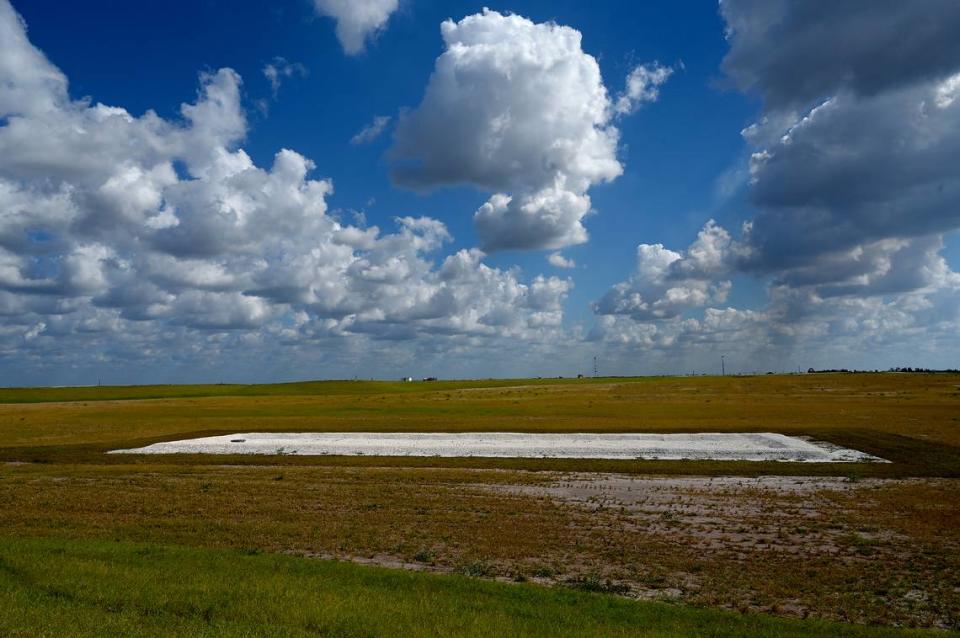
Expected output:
(723, 366)
(595, 373)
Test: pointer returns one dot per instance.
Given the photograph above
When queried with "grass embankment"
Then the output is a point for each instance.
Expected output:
(58, 588)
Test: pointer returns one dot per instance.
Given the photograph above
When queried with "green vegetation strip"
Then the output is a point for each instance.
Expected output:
(96, 588)
(294, 389)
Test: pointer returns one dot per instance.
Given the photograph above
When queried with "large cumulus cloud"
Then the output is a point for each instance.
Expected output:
(859, 131)
(122, 229)
(857, 169)
(518, 109)
(853, 180)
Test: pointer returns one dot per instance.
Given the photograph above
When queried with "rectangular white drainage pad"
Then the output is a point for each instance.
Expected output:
(759, 446)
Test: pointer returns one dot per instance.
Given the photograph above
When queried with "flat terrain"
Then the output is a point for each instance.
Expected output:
(704, 548)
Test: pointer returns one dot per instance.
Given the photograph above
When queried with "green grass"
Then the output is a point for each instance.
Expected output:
(100, 588)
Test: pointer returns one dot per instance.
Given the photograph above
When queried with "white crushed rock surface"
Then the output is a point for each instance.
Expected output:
(758, 446)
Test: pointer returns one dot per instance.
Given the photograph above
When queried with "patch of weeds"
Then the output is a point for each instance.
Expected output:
(478, 569)
(863, 545)
(425, 556)
(544, 572)
(594, 583)
(657, 580)
(278, 477)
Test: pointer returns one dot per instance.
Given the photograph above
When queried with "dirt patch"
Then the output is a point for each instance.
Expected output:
(380, 560)
(732, 515)
(760, 544)
(869, 551)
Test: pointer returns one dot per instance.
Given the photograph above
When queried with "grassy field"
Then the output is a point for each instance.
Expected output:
(299, 388)
(59, 588)
(879, 544)
(912, 420)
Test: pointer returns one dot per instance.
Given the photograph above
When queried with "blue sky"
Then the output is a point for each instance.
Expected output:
(828, 276)
(147, 57)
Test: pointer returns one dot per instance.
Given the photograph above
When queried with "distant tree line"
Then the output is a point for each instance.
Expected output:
(905, 369)
(924, 370)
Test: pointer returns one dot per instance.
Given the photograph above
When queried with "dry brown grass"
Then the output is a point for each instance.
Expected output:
(868, 551)
(839, 552)
(919, 406)
(913, 420)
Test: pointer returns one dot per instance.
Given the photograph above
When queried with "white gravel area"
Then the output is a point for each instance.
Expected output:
(758, 446)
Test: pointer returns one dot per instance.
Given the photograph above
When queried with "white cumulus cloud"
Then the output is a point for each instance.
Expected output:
(643, 86)
(357, 20)
(518, 109)
(667, 283)
(557, 260)
(121, 235)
